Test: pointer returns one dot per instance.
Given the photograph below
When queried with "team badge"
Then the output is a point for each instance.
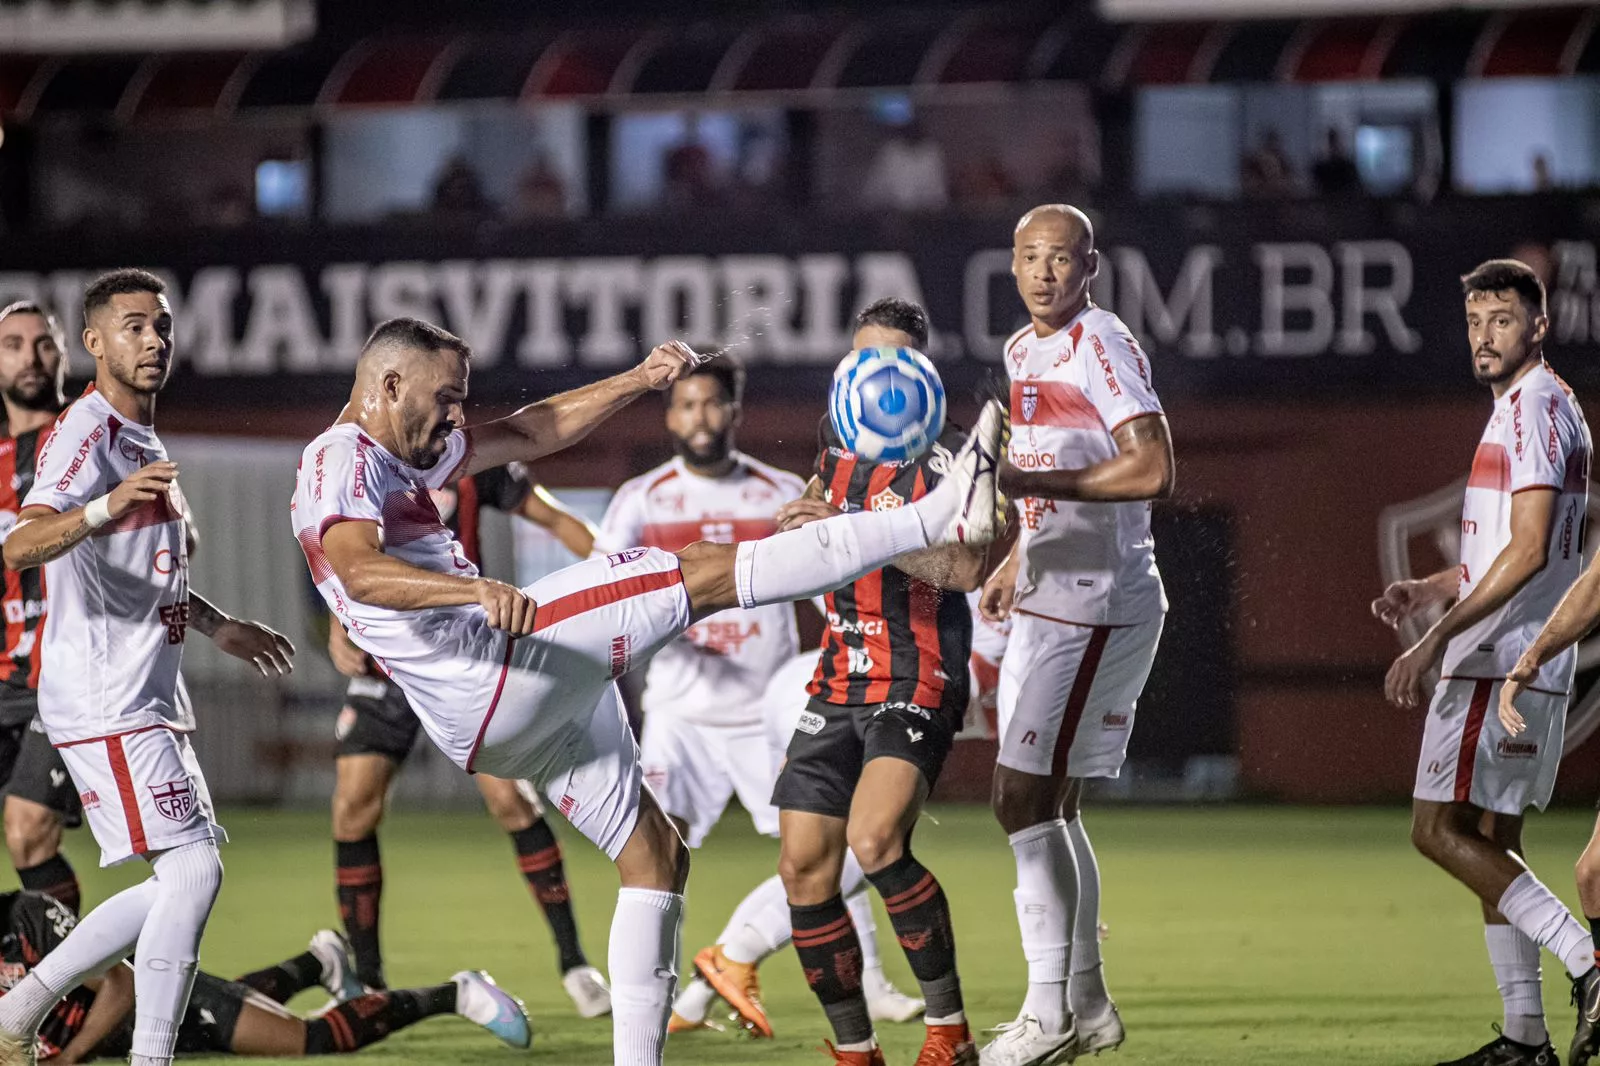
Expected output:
(1030, 402)
(626, 556)
(1435, 519)
(131, 452)
(887, 500)
(174, 800)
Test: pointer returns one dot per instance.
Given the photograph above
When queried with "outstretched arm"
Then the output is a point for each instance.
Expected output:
(563, 420)
(575, 532)
(1142, 469)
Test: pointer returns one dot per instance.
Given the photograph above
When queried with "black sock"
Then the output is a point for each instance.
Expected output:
(539, 856)
(56, 879)
(279, 983)
(830, 955)
(360, 877)
(368, 1019)
(920, 915)
(1594, 931)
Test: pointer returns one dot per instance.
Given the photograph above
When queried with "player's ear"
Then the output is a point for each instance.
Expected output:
(1092, 261)
(1541, 326)
(91, 341)
(390, 384)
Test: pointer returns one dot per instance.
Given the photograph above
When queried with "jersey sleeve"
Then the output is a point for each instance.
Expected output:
(339, 485)
(505, 487)
(1119, 377)
(452, 464)
(622, 526)
(42, 923)
(1540, 453)
(72, 468)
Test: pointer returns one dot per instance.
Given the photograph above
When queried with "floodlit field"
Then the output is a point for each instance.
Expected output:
(1238, 935)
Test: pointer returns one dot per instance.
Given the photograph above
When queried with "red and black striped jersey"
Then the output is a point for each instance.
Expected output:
(32, 925)
(503, 488)
(889, 635)
(23, 600)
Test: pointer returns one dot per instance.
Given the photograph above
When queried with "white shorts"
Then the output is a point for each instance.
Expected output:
(694, 769)
(556, 720)
(1467, 756)
(142, 792)
(1067, 695)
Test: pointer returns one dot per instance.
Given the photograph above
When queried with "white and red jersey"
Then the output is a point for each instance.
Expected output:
(1086, 563)
(717, 673)
(119, 600)
(446, 659)
(1536, 439)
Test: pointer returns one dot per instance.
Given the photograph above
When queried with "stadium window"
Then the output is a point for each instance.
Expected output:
(1187, 141)
(283, 188)
(1521, 135)
(695, 158)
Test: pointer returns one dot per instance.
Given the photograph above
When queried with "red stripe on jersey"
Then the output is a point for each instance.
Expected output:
(130, 798)
(1467, 757)
(1053, 403)
(467, 519)
(675, 536)
(1078, 698)
(1491, 469)
(869, 602)
(925, 629)
(835, 672)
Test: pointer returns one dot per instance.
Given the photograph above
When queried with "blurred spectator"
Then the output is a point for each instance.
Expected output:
(458, 192)
(761, 170)
(908, 173)
(985, 183)
(541, 193)
(688, 173)
(1265, 172)
(1542, 182)
(1335, 174)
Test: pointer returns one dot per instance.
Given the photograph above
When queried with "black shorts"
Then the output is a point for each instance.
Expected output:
(32, 770)
(832, 744)
(208, 1024)
(377, 719)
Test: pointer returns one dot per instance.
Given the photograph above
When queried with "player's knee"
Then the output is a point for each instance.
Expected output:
(665, 855)
(511, 811)
(356, 813)
(1430, 831)
(808, 876)
(1587, 871)
(876, 846)
(33, 833)
(1020, 801)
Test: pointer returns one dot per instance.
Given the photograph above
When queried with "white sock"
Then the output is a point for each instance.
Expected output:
(1086, 993)
(644, 972)
(822, 556)
(760, 925)
(187, 880)
(694, 1002)
(104, 936)
(1515, 959)
(1047, 900)
(1545, 920)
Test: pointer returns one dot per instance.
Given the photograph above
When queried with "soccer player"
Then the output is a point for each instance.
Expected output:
(246, 1016)
(520, 682)
(40, 799)
(1090, 449)
(377, 730)
(107, 521)
(889, 693)
(1521, 532)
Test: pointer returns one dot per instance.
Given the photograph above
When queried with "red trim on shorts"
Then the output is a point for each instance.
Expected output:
(130, 799)
(114, 736)
(1070, 622)
(1078, 698)
(505, 668)
(1497, 680)
(1467, 758)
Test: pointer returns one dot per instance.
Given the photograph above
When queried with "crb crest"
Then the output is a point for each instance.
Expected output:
(1030, 401)
(174, 800)
(1436, 518)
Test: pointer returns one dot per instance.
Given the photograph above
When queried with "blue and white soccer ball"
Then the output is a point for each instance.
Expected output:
(887, 404)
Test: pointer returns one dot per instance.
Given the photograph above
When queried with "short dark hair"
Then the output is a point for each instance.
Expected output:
(894, 313)
(726, 369)
(32, 307)
(1506, 275)
(117, 283)
(415, 333)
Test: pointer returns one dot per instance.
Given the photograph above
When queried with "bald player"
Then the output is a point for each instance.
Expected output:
(1090, 449)
(519, 683)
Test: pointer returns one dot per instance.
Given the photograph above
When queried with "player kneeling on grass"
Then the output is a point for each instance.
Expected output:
(246, 1016)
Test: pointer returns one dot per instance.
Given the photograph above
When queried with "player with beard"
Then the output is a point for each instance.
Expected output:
(1521, 549)
(40, 799)
(704, 739)
(107, 521)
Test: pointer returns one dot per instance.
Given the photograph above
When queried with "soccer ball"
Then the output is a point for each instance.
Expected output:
(887, 404)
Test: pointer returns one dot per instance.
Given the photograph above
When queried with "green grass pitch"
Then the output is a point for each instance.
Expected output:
(1237, 935)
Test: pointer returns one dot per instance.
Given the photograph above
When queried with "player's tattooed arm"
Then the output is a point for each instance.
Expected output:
(203, 616)
(563, 420)
(43, 534)
(264, 648)
(1142, 469)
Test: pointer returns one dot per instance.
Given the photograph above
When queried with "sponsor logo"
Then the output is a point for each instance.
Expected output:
(58, 777)
(1516, 421)
(655, 777)
(174, 800)
(1468, 527)
(915, 941)
(1552, 443)
(131, 452)
(11, 973)
(1114, 721)
(723, 637)
(20, 611)
(90, 799)
(345, 722)
(1030, 402)
(860, 661)
(568, 806)
(872, 627)
(905, 708)
(1569, 520)
(887, 500)
(810, 723)
(1033, 460)
(318, 471)
(1033, 511)
(940, 459)
(1507, 748)
(164, 562)
(628, 556)
(175, 616)
(914, 734)
(1019, 354)
(84, 448)
(1030, 738)
(621, 653)
(359, 474)
(1105, 364)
